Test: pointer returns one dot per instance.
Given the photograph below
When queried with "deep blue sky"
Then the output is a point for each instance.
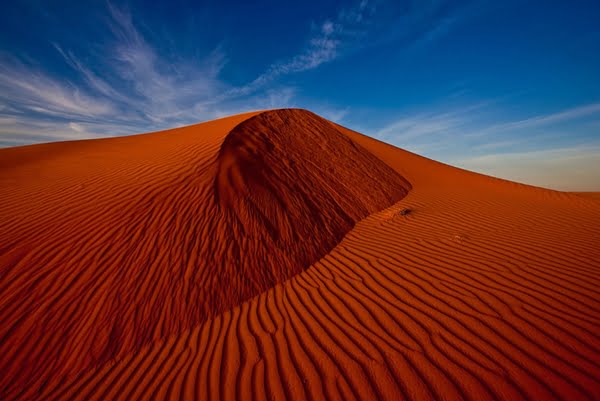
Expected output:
(506, 88)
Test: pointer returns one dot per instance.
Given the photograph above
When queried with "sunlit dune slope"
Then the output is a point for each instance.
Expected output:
(108, 245)
(161, 274)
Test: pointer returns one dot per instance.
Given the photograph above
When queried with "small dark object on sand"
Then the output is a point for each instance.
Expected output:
(404, 212)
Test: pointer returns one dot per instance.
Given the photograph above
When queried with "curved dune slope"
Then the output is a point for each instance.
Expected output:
(290, 186)
(110, 245)
(485, 290)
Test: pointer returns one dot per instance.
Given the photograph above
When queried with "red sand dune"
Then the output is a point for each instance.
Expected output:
(265, 256)
(590, 195)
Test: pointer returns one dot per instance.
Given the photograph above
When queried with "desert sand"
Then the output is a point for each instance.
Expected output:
(278, 256)
(590, 195)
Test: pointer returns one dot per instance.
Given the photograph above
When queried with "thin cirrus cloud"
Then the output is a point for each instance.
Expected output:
(574, 113)
(139, 90)
(24, 88)
(130, 87)
(559, 150)
(477, 126)
(328, 41)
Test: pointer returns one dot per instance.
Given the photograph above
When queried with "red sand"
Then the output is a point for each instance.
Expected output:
(224, 261)
(590, 195)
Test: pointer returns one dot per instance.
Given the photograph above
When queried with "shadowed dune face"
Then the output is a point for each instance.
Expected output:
(290, 186)
(109, 245)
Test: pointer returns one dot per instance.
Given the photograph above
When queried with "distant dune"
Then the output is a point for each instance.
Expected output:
(278, 256)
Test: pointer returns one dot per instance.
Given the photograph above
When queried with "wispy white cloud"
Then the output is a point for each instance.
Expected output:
(334, 114)
(427, 125)
(421, 125)
(542, 120)
(330, 38)
(26, 89)
(328, 41)
(471, 137)
(138, 91)
(477, 125)
(24, 129)
(161, 89)
(96, 83)
(131, 87)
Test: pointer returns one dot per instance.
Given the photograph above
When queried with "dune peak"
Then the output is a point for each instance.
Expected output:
(290, 186)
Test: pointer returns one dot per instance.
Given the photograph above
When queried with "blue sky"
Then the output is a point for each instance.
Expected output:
(505, 88)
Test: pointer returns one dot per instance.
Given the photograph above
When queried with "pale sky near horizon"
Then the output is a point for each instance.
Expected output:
(503, 88)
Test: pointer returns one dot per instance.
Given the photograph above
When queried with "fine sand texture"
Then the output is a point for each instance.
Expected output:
(590, 195)
(278, 256)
